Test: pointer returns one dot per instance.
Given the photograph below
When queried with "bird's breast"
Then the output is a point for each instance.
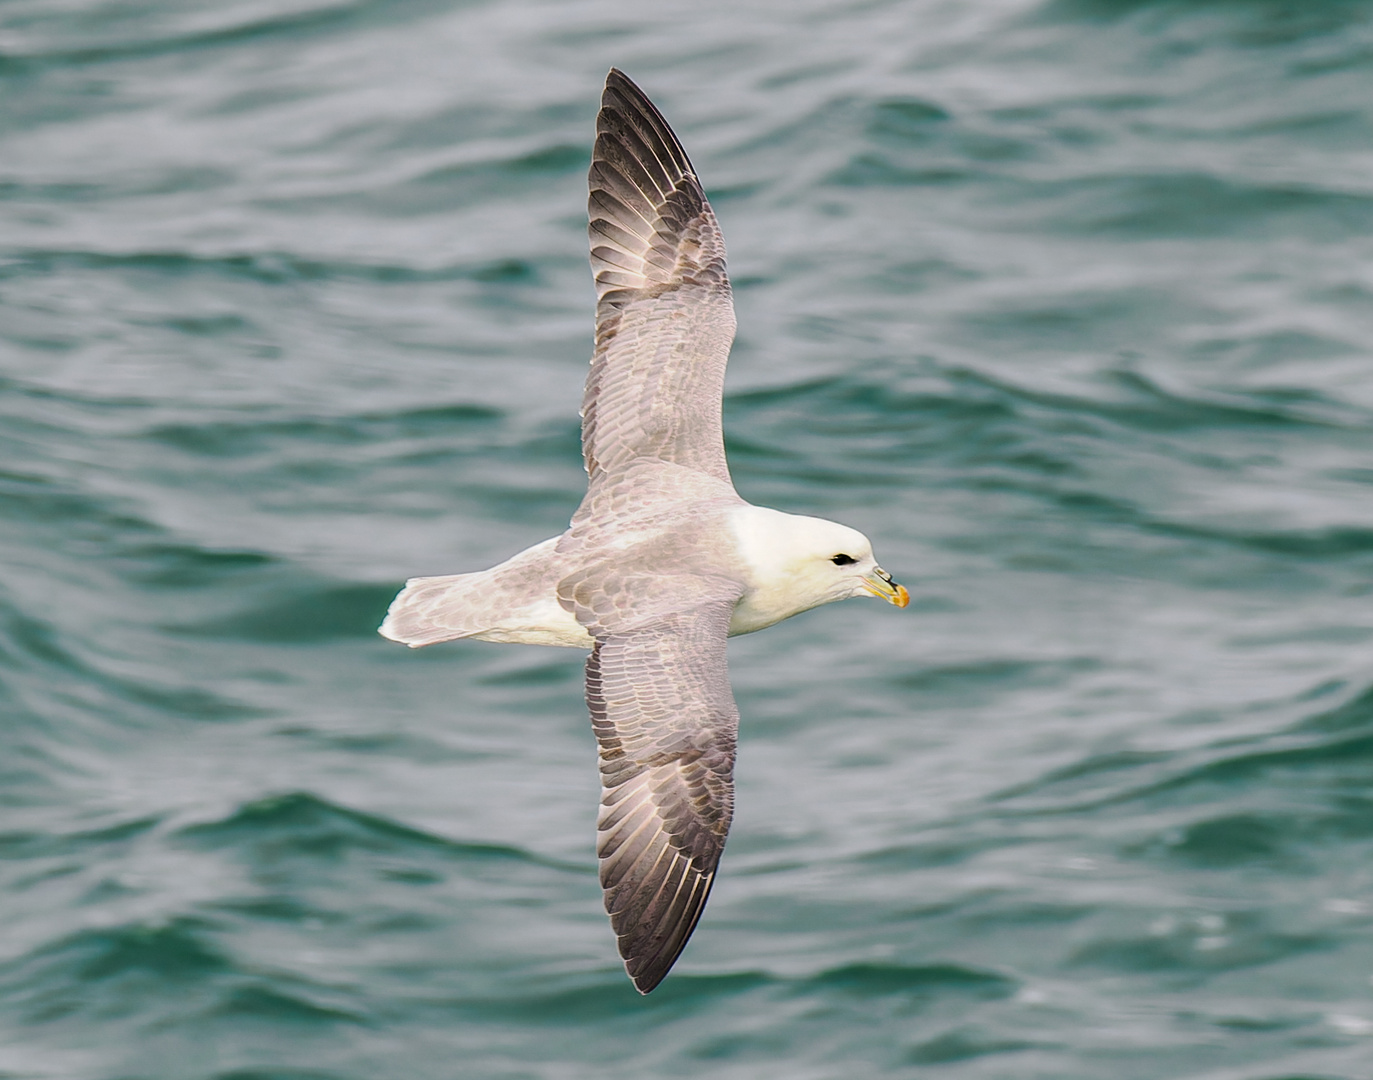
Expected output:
(757, 610)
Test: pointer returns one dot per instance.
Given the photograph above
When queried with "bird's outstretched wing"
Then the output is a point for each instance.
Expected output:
(664, 313)
(666, 727)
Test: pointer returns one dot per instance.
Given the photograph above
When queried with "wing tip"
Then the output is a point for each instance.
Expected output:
(616, 77)
(617, 80)
(651, 125)
(643, 983)
(647, 969)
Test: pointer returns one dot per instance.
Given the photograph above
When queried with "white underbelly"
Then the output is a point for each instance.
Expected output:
(544, 622)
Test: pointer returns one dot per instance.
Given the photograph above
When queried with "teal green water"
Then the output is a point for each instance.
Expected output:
(1067, 303)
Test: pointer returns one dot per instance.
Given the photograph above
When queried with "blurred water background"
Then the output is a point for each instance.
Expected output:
(1067, 303)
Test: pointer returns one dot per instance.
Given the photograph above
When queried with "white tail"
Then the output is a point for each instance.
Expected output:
(516, 601)
(433, 609)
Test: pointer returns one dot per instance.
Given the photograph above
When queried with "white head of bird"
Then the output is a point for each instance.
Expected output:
(796, 563)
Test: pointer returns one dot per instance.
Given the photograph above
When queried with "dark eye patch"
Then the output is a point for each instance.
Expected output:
(843, 560)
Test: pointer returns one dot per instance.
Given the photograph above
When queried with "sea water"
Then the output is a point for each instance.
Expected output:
(1067, 304)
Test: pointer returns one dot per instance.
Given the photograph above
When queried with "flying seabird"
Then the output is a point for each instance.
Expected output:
(663, 560)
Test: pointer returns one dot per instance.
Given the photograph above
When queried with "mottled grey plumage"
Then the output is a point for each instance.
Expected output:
(663, 560)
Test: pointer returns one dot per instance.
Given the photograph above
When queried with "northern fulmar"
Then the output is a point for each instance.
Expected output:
(663, 560)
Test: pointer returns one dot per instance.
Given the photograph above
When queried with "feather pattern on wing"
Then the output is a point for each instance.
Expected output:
(666, 726)
(664, 315)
